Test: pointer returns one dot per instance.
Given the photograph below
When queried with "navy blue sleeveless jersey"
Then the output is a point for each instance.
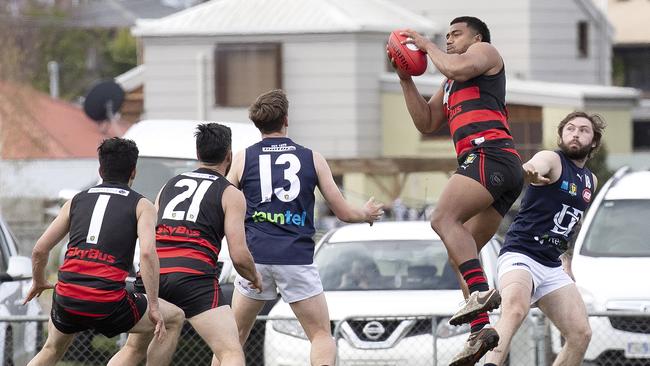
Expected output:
(278, 181)
(549, 213)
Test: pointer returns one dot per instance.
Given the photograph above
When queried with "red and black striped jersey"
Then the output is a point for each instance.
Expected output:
(103, 234)
(476, 112)
(191, 222)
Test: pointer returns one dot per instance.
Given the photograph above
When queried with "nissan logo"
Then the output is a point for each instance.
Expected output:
(373, 330)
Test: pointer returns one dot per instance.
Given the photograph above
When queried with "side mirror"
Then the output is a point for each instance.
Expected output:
(19, 268)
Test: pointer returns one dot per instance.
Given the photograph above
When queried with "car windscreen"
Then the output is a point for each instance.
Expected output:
(620, 229)
(152, 173)
(385, 265)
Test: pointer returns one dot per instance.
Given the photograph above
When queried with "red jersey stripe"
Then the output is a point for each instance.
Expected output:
(465, 144)
(464, 95)
(174, 252)
(166, 270)
(183, 239)
(88, 293)
(96, 269)
(479, 115)
(85, 314)
(512, 151)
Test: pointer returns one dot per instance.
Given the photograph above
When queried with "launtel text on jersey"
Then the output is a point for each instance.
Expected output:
(287, 218)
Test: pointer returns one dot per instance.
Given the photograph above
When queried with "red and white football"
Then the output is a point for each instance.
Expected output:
(408, 57)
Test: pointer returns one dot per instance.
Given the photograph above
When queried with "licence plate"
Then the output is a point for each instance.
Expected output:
(637, 350)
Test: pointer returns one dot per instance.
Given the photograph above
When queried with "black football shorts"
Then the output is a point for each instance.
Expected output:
(498, 170)
(125, 316)
(193, 293)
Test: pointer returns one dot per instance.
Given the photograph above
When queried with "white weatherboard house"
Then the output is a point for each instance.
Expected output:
(212, 60)
(566, 41)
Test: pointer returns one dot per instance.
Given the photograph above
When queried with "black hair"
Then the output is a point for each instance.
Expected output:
(213, 142)
(476, 24)
(117, 159)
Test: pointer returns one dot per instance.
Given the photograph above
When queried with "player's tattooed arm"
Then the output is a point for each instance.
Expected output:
(479, 58)
(344, 211)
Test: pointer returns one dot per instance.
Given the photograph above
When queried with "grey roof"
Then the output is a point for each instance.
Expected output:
(121, 13)
(223, 17)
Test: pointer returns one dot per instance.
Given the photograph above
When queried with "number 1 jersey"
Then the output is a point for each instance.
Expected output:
(278, 181)
(191, 222)
(103, 233)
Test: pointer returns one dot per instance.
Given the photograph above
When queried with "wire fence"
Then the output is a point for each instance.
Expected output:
(619, 338)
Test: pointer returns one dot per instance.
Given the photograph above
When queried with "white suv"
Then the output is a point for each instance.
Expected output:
(386, 317)
(611, 265)
(18, 340)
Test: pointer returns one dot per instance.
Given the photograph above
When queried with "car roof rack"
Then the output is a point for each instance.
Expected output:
(619, 174)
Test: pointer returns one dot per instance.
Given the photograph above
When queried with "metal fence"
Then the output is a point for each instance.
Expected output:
(619, 338)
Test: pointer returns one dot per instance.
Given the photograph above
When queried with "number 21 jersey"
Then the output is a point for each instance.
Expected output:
(191, 222)
(278, 181)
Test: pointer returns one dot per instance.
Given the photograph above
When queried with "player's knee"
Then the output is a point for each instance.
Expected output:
(514, 309)
(52, 352)
(437, 221)
(579, 336)
(233, 353)
(322, 335)
(175, 317)
(135, 351)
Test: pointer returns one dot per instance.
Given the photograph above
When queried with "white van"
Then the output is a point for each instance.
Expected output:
(168, 148)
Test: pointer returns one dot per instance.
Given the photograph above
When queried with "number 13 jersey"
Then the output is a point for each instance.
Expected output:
(278, 181)
(191, 222)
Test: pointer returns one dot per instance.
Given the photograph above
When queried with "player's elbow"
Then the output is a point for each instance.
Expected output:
(458, 75)
(241, 259)
(39, 251)
(148, 255)
(463, 72)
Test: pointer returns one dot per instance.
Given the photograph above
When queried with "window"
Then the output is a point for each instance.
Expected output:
(244, 71)
(583, 39)
(641, 135)
(526, 129)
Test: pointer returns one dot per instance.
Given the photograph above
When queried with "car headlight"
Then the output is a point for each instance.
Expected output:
(289, 327)
(446, 331)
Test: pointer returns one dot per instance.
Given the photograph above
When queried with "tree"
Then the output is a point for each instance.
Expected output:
(598, 165)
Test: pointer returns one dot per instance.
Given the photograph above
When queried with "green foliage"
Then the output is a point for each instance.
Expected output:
(84, 55)
(123, 52)
(598, 165)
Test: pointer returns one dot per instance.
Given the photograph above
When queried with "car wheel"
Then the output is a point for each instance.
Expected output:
(8, 358)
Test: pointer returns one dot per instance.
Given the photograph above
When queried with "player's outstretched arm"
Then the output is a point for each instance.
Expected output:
(234, 208)
(477, 60)
(52, 235)
(543, 168)
(370, 212)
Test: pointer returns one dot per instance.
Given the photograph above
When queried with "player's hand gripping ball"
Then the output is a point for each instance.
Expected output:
(407, 57)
